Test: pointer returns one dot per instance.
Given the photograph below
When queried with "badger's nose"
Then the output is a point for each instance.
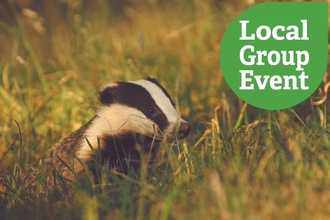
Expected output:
(184, 130)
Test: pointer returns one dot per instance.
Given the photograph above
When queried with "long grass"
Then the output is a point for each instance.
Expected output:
(239, 162)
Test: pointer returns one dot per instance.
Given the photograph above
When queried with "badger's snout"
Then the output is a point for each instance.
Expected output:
(184, 129)
(177, 131)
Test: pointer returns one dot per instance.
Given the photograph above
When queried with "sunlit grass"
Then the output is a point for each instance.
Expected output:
(239, 162)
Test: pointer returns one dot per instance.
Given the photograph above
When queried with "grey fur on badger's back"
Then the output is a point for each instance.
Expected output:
(135, 112)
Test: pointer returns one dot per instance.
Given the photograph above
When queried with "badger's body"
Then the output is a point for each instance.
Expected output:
(137, 113)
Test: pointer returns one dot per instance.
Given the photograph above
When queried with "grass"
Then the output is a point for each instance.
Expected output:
(239, 162)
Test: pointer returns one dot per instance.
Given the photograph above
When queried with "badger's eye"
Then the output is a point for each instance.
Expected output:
(150, 110)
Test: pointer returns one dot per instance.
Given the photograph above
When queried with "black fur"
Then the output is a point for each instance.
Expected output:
(135, 96)
(122, 153)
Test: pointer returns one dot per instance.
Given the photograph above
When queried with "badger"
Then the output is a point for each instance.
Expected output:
(133, 118)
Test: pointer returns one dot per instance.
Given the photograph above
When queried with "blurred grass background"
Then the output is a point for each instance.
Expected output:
(238, 163)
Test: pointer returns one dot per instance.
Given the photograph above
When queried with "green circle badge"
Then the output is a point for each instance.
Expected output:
(273, 55)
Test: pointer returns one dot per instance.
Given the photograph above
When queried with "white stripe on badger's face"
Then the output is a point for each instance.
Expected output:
(164, 103)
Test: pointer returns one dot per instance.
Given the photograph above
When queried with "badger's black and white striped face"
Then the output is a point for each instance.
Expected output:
(143, 107)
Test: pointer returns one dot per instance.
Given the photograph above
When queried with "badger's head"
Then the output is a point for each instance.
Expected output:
(142, 107)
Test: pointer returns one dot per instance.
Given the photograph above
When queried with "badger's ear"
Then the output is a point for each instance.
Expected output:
(107, 93)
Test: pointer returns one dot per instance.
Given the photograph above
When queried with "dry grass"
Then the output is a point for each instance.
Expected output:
(238, 163)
